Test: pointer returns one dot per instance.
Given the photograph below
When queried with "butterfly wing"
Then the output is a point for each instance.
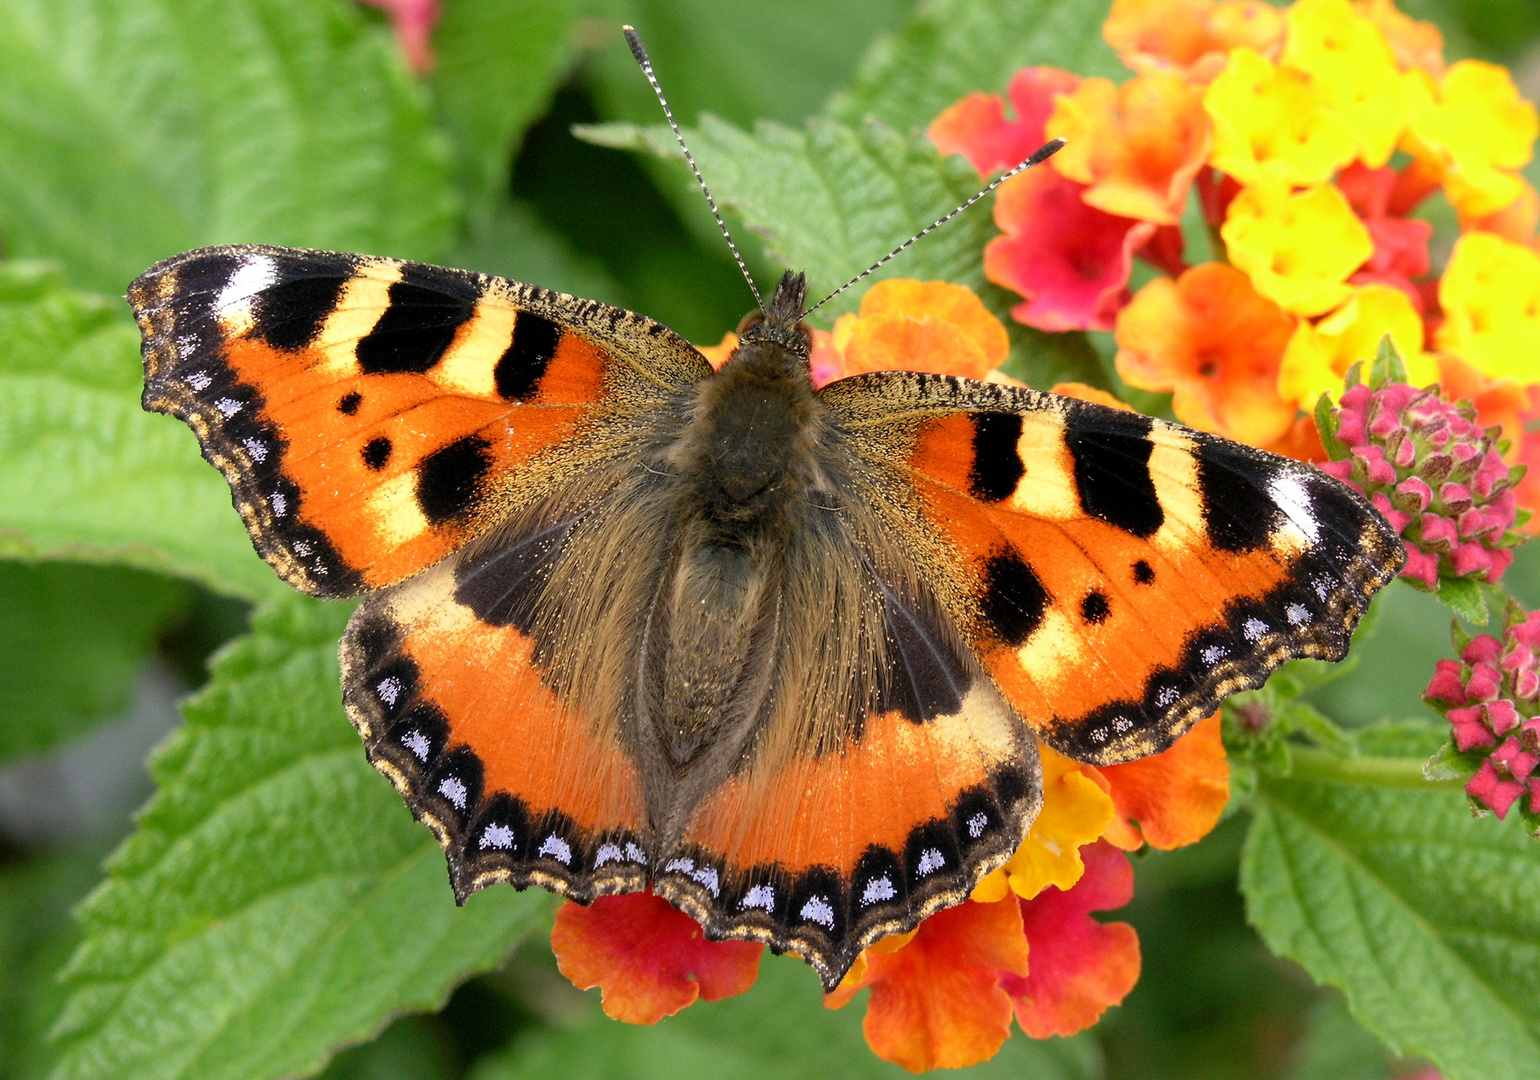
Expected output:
(372, 415)
(846, 820)
(1116, 575)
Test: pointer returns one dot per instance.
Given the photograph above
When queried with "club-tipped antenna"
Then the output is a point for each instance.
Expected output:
(1040, 155)
(639, 51)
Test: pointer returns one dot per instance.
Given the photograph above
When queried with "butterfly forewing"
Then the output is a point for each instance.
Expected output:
(1118, 576)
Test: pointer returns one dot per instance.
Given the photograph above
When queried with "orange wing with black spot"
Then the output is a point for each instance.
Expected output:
(373, 415)
(1116, 575)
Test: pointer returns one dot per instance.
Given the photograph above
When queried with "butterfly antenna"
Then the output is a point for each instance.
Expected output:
(639, 51)
(1040, 155)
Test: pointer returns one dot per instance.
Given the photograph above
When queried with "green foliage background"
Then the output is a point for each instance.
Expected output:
(273, 903)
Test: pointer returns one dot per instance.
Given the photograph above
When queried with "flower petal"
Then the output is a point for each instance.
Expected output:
(1210, 338)
(978, 128)
(936, 1002)
(1274, 123)
(1490, 293)
(1189, 37)
(413, 21)
(1318, 356)
(1070, 261)
(1138, 145)
(933, 326)
(1079, 966)
(649, 958)
(1476, 126)
(1076, 809)
(1347, 57)
(1176, 796)
(1297, 247)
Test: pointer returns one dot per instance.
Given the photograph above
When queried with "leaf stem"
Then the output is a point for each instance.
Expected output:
(1310, 763)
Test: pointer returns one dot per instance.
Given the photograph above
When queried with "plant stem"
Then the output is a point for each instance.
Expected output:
(1312, 764)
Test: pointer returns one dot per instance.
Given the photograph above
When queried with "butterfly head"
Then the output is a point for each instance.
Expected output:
(778, 332)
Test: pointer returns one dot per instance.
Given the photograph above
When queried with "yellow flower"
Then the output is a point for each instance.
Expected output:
(1317, 357)
(1076, 810)
(1274, 123)
(1349, 60)
(1297, 247)
(1474, 125)
(1490, 294)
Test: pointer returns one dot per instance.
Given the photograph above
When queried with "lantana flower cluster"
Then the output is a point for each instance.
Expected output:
(1263, 173)
(1025, 948)
(1435, 474)
(1491, 698)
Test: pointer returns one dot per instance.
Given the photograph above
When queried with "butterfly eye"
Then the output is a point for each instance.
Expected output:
(749, 321)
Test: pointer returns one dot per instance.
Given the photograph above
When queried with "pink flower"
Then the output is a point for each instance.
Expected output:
(413, 21)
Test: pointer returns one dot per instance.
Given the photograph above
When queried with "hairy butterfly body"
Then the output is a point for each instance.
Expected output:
(781, 653)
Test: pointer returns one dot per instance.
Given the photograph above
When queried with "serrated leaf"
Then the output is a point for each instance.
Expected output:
(85, 473)
(1464, 597)
(73, 642)
(133, 131)
(830, 200)
(1387, 365)
(949, 48)
(276, 899)
(1448, 763)
(779, 1030)
(1427, 920)
(498, 64)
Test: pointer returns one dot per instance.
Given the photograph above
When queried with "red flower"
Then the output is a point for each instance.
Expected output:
(649, 959)
(1069, 260)
(1079, 966)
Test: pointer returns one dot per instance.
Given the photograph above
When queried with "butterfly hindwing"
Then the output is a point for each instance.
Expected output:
(373, 415)
(1117, 575)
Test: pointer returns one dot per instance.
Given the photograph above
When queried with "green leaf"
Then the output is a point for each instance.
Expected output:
(779, 1030)
(830, 200)
(85, 473)
(1387, 365)
(498, 63)
(1426, 919)
(276, 899)
(512, 242)
(1464, 597)
(73, 642)
(949, 48)
(133, 131)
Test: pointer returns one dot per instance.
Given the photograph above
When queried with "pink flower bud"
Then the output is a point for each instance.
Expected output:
(1455, 497)
(1446, 684)
(1500, 716)
(1526, 685)
(1484, 683)
(1482, 649)
(1342, 470)
(1421, 566)
(1469, 730)
(1529, 736)
(1528, 631)
(1493, 471)
(1492, 791)
(1470, 558)
(1415, 493)
(1438, 532)
(1512, 762)
(1398, 519)
(1435, 468)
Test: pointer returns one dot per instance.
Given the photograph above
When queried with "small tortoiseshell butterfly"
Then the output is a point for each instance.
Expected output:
(781, 654)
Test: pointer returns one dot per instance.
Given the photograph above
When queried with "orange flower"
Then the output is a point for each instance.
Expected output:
(648, 958)
(908, 325)
(1212, 340)
(1089, 393)
(1079, 966)
(936, 1001)
(1517, 221)
(716, 355)
(1174, 798)
(1138, 145)
(1190, 37)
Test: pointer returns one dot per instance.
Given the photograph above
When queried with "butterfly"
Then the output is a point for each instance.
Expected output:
(782, 654)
